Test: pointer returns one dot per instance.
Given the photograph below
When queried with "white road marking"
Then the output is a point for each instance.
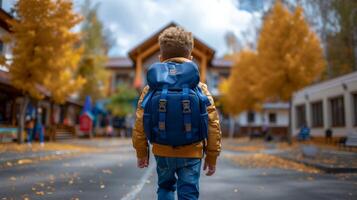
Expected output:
(133, 193)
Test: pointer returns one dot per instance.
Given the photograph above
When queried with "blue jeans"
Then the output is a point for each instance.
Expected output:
(32, 133)
(178, 173)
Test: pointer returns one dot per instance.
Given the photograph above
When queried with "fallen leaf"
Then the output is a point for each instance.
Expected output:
(107, 171)
(40, 193)
(24, 161)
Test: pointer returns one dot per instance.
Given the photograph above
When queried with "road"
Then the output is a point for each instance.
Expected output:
(112, 174)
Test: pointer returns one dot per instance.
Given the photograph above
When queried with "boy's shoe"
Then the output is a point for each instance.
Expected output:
(42, 144)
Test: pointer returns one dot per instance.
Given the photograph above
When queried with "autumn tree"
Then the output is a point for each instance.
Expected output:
(290, 53)
(43, 51)
(288, 58)
(242, 90)
(94, 58)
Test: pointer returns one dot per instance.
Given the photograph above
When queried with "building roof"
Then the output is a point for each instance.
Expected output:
(338, 81)
(5, 80)
(119, 62)
(4, 19)
(153, 39)
(128, 62)
(125, 62)
(276, 105)
(221, 62)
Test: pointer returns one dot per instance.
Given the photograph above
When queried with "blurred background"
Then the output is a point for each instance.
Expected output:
(233, 43)
(282, 73)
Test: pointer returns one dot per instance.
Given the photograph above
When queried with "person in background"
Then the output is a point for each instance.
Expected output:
(109, 126)
(129, 124)
(29, 125)
(304, 133)
(39, 127)
(328, 135)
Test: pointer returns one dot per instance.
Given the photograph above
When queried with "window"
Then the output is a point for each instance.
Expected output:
(317, 114)
(272, 118)
(121, 79)
(1, 47)
(354, 96)
(337, 111)
(300, 115)
(251, 117)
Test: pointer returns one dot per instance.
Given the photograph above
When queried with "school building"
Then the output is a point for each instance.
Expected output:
(132, 69)
(327, 105)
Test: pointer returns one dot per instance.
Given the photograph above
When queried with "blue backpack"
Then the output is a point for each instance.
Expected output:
(175, 109)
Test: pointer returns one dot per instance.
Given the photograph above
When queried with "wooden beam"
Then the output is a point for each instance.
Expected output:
(203, 64)
(144, 54)
(198, 53)
(203, 69)
(150, 51)
(138, 72)
(111, 85)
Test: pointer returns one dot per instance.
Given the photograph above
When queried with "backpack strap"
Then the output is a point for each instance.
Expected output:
(186, 111)
(162, 111)
(203, 97)
(147, 98)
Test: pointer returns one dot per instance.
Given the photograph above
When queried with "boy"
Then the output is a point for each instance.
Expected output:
(179, 167)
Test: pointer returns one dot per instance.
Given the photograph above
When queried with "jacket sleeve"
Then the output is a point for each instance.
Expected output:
(213, 147)
(139, 138)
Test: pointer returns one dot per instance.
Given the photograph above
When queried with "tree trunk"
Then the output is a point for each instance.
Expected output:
(290, 134)
(231, 126)
(21, 124)
(52, 122)
(355, 47)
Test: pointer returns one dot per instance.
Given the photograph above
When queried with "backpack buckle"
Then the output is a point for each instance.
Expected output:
(188, 127)
(162, 105)
(186, 106)
(161, 126)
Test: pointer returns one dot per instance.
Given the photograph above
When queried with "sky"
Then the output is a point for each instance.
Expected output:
(133, 21)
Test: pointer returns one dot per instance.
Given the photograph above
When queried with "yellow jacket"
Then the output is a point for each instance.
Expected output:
(213, 143)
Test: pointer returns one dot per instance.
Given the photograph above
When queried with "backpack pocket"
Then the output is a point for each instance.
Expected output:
(204, 125)
(147, 125)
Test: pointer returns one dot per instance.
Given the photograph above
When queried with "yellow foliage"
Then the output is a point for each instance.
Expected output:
(288, 58)
(290, 53)
(43, 50)
(242, 91)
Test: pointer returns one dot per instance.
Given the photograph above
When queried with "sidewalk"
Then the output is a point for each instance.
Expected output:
(325, 158)
(12, 154)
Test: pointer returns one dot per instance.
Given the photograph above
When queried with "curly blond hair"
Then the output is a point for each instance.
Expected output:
(175, 42)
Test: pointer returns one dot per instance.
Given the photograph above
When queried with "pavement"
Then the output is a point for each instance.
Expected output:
(330, 161)
(112, 174)
(326, 158)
